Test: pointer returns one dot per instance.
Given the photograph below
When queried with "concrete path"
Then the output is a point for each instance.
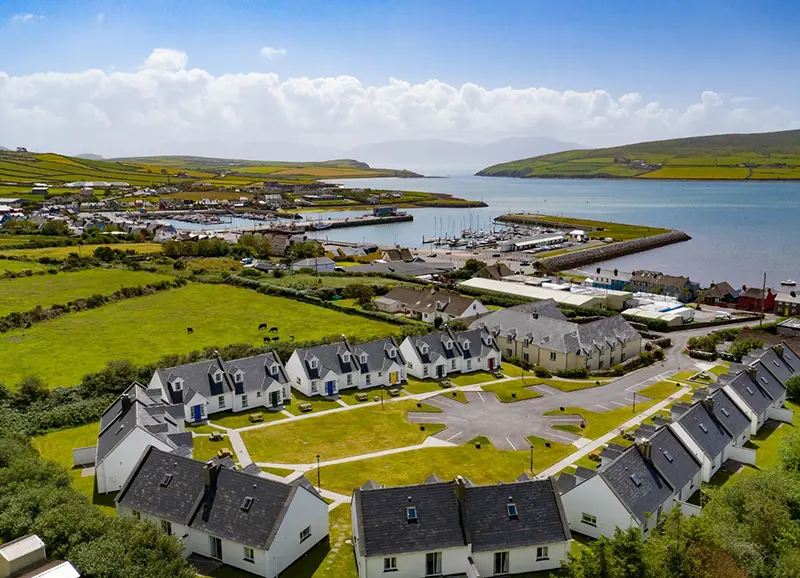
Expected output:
(238, 446)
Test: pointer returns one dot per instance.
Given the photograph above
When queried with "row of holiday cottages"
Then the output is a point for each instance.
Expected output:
(638, 485)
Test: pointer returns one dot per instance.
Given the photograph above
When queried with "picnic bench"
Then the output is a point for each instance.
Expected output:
(498, 374)
(394, 392)
(304, 407)
(255, 417)
(216, 437)
(361, 397)
(224, 453)
(446, 383)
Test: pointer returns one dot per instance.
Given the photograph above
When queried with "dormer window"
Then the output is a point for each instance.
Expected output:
(448, 344)
(423, 349)
(346, 357)
(392, 353)
(411, 514)
(218, 377)
(238, 377)
(466, 344)
(363, 358)
(274, 369)
(177, 384)
(312, 364)
(511, 507)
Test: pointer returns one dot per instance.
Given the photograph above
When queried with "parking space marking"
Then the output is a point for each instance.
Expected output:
(512, 445)
(443, 402)
(480, 396)
(602, 406)
(628, 399)
(616, 403)
(453, 436)
(555, 435)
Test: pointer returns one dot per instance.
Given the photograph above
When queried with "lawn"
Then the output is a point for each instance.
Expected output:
(337, 435)
(455, 395)
(660, 390)
(145, 329)
(282, 472)
(86, 250)
(683, 375)
(300, 281)
(349, 395)
(57, 447)
(26, 293)
(415, 385)
(202, 428)
(318, 404)
(205, 449)
(719, 370)
(472, 378)
(426, 408)
(233, 420)
(511, 370)
(483, 466)
(509, 391)
(17, 266)
(568, 384)
(598, 424)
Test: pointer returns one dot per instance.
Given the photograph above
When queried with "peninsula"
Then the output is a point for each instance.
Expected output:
(731, 157)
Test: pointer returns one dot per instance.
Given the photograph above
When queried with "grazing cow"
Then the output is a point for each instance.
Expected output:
(291, 337)
(275, 338)
(273, 329)
(266, 339)
(189, 330)
(262, 326)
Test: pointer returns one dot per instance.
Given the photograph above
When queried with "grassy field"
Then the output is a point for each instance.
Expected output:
(146, 328)
(472, 378)
(205, 449)
(16, 266)
(58, 446)
(312, 282)
(510, 391)
(337, 435)
(282, 472)
(483, 466)
(233, 420)
(618, 231)
(86, 250)
(318, 404)
(767, 156)
(415, 385)
(26, 293)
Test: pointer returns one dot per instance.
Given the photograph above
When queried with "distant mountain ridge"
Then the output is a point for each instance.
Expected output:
(755, 156)
(89, 157)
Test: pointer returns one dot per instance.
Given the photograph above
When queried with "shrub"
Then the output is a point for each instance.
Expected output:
(793, 388)
(543, 372)
(573, 373)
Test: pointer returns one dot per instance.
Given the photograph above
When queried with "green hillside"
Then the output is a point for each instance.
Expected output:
(759, 156)
(18, 171)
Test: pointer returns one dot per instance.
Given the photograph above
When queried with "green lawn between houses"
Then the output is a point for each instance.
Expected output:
(144, 329)
(337, 435)
(85, 250)
(510, 391)
(26, 293)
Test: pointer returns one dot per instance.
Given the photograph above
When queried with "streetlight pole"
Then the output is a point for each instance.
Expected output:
(531, 459)
(319, 486)
(634, 402)
(382, 399)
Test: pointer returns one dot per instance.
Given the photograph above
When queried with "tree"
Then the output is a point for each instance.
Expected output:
(31, 389)
(55, 227)
(457, 325)
(789, 453)
(742, 347)
(259, 245)
(363, 294)
(473, 266)
(304, 250)
(793, 387)
(437, 322)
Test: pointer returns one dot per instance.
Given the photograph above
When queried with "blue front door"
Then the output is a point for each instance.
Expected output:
(330, 385)
(196, 412)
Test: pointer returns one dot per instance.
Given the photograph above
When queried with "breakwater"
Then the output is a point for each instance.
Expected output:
(607, 252)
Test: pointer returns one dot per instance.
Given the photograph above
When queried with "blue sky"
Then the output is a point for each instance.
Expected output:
(668, 52)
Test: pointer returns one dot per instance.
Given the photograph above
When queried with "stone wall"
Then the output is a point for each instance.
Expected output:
(606, 252)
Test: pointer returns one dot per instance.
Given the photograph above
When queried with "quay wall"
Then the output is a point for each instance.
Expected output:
(606, 252)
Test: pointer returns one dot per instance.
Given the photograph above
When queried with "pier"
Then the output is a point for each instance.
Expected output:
(318, 225)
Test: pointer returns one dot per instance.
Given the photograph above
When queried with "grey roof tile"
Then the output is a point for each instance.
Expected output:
(705, 430)
(765, 378)
(728, 413)
(673, 459)
(637, 483)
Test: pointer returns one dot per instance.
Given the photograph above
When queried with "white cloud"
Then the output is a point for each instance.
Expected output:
(27, 17)
(166, 59)
(100, 17)
(270, 52)
(164, 107)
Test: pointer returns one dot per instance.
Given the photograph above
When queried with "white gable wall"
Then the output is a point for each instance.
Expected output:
(756, 421)
(199, 542)
(454, 561)
(115, 468)
(709, 466)
(305, 510)
(297, 375)
(522, 560)
(594, 497)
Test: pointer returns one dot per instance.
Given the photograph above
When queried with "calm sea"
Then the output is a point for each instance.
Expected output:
(739, 230)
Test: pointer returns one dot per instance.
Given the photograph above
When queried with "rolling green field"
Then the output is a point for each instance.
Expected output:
(17, 266)
(85, 250)
(144, 329)
(25, 293)
(619, 231)
(761, 156)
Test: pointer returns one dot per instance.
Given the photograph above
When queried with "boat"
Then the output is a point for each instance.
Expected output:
(789, 283)
(319, 226)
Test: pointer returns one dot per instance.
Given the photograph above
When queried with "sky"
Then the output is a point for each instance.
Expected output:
(221, 78)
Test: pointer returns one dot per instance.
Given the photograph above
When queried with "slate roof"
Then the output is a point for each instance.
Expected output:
(522, 322)
(133, 409)
(477, 337)
(765, 378)
(733, 418)
(312, 263)
(215, 509)
(401, 268)
(431, 300)
(751, 393)
(566, 482)
(672, 458)
(540, 519)
(611, 274)
(482, 519)
(641, 495)
(260, 372)
(496, 272)
(714, 439)
(721, 290)
(776, 365)
(583, 473)
(332, 357)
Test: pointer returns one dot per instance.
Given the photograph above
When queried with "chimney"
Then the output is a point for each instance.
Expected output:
(535, 315)
(210, 473)
(709, 403)
(778, 350)
(646, 449)
(460, 489)
(744, 287)
(751, 371)
(126, 402)
(598, 270)
(616, 272)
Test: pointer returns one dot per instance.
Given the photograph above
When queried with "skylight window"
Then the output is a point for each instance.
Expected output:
(512, 511)
(166, 480)
(704, 428)
(669, 457)
(246, 503)
(763, 380)
(776, 363)
(749, 390)
(725, 412)
(636, 480)
(411, 514)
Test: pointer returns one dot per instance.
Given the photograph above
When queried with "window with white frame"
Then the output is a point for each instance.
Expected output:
(552, 356)
(313, 386)
(221, 401)
(349, 379)
(312, 364)
(368, 379)
(166, 527)
(589, 519)
(249, 554)
(244, 400)
(258, 394)
(218, 377)
(305, 534)
(433, 563)
(425, 371)
(390, 564)
(297, 381)
(469, 364)
(452, 364)
(239, 377)
(541, 553)
(501, 563)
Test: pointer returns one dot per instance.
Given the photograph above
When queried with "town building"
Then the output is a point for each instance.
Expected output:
(789, 327)
(397, 254)
(325, 370)
(438, 355)
(610, 279)
(721, 294)
(138, 419)
(233, 516)
(430, 304)
(26, 557)
(496, 272)
(211, 386)
(318, 264)
(456, 528)
(540, 334)
(680, 288)
(418, 269)
(787, 304)
(756, 299)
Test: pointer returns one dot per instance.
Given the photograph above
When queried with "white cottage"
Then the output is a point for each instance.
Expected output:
(437, 355)
(233, 516)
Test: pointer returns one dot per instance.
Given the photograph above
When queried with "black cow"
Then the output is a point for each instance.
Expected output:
(266, 339)
(262, 326)
(189, 330)
(275, 338)
(273, 329)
